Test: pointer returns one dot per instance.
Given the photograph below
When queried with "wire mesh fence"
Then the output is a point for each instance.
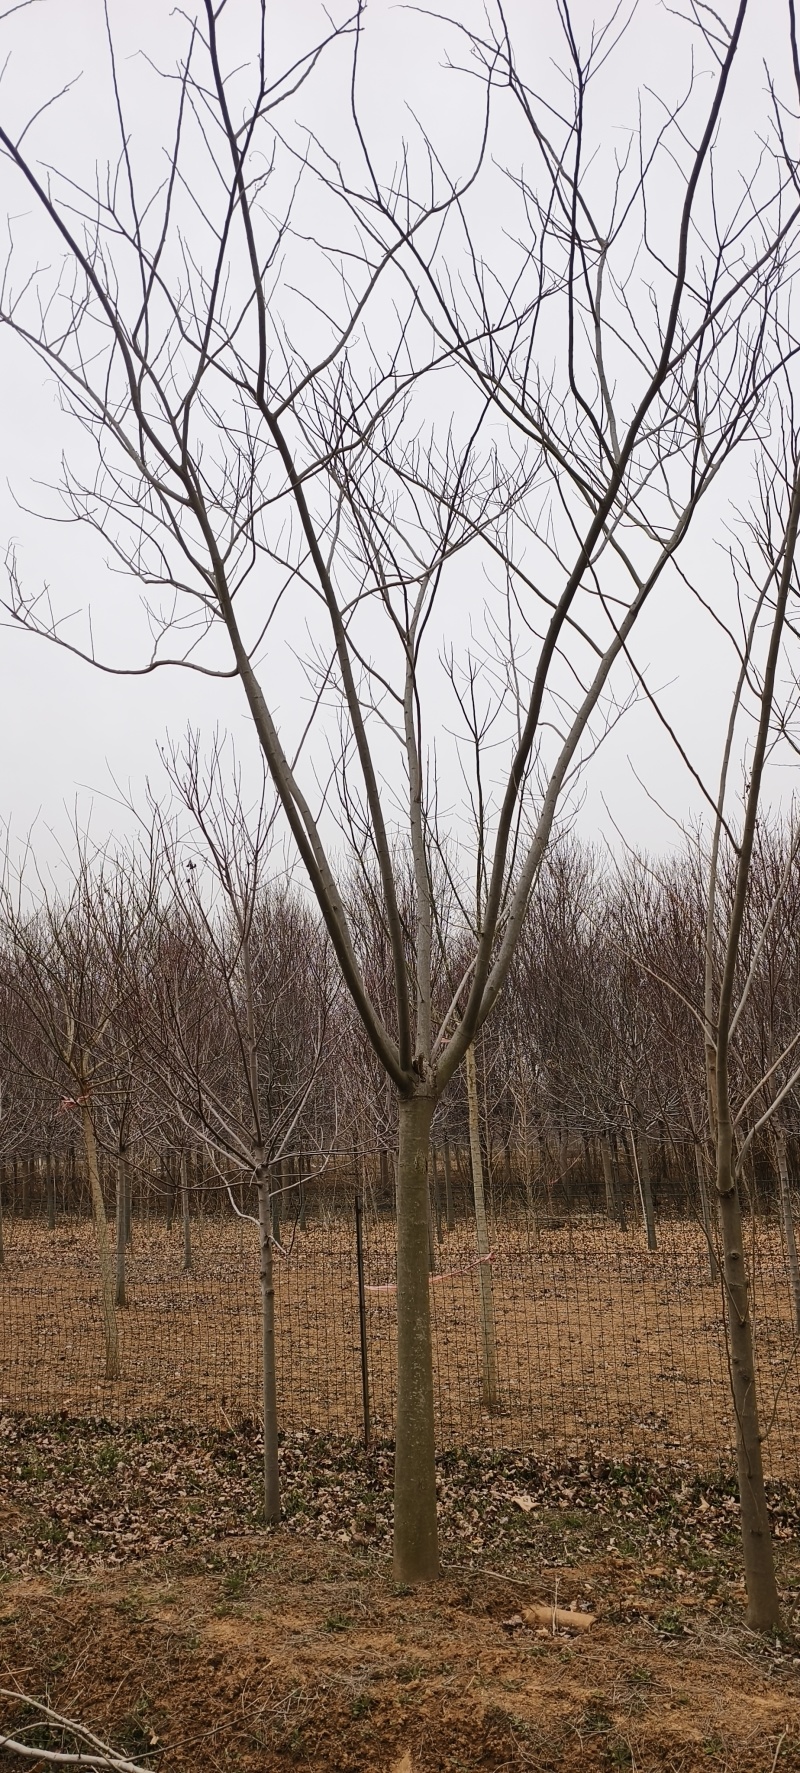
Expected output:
(599, 1346)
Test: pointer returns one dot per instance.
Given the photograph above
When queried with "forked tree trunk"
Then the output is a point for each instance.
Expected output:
(269, 1390)
(792, 1264)
(110, 1332)
(120, 1298)
(485, 1286)
(763, 1606)
(185, 1219)
(416, 1545)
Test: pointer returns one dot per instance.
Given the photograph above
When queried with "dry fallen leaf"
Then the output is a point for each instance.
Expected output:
(523, 1501)
(404, 1765)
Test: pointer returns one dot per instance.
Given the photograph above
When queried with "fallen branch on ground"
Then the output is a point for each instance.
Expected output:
(103, 1756)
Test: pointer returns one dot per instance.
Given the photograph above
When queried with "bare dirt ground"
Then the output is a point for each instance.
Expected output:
(140, 1594)
(603, 1348)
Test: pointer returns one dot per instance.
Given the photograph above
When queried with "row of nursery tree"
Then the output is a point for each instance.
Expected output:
(172, 1007)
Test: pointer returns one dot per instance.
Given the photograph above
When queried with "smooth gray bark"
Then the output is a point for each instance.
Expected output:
(763, 1604)
(269, 1390)
(485, 1283)
(713, 1265)
(416, 1544)
(120, 1298)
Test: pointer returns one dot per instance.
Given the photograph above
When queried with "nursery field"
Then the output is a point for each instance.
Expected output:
(603, 1348)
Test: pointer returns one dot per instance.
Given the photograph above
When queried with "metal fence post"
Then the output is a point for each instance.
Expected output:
(362, 1319)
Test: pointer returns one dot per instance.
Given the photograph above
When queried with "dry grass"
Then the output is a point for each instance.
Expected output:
(602, 1347)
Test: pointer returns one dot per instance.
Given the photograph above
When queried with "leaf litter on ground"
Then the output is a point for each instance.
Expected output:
(662, 1542)
(293, 1645)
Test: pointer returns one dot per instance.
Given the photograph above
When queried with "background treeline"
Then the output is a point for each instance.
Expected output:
(129, 996)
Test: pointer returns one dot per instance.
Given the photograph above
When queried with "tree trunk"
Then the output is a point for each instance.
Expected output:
(448, 1188)
(128, 1194)
(119, 1292)
(663, 1153)
(485, 1286)
(437, 1198)
(416, 1548)
(713, 1265)
(537, 1169)
(763, 1606)
(276, 1211)
(2, 1245)
(185, 1219)
(641, 1158)
(618, 1188)
(302, 1187)
(269, 1390)
(527, 1159)
(431, 1240)
(110, 1332)
(563, 1164)
(51, 1191)
(792, 1264)
(612, 1208)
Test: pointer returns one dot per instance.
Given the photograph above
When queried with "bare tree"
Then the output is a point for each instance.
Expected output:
(234, 1005)
(71, 958)
(724, 1005)
(601, 372)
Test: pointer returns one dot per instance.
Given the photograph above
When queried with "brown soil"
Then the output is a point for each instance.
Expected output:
(603, 1348)
(311, 1658)
(140, 1596)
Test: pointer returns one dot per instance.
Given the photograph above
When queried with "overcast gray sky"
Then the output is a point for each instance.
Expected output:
(65, 729)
